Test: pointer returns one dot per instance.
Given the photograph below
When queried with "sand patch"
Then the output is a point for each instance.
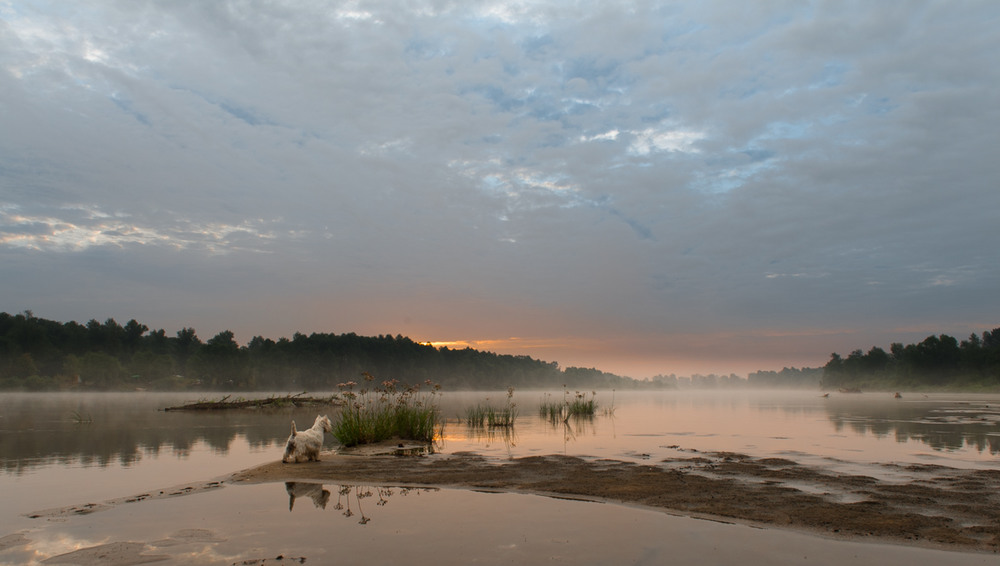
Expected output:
(938, 507)
(88, 508)
(932, 506)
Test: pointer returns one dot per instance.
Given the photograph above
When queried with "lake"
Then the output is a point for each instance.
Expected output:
(58, 450)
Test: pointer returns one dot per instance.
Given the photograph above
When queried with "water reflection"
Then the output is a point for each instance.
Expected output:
(313, 491)
(568, 427)
(104, 429)
(100, 430)
(944, 426)
(352, 500)
(238, 525)
(572, 426)
(489, 436)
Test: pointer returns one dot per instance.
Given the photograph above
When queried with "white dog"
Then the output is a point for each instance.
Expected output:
(305, 445)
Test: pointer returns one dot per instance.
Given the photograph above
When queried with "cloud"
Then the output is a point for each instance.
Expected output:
(621, 173)
(651, 139)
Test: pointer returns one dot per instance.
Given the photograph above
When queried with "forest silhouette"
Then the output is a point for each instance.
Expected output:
(938, 362)
(38, 355)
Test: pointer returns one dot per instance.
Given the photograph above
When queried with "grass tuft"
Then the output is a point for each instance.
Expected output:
(484, 415)
(579, 405)
(380, 412)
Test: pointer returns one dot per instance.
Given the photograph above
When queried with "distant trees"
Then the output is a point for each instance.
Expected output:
(596, 378)
(937, 361)
(221, 363)
(102, 370)
(787, 378)
(41, 354)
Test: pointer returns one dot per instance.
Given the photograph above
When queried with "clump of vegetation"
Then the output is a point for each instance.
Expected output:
(583, 406)
(79, 418)
(380, 412)
(580, 405)
(553, 411)
(484, 415)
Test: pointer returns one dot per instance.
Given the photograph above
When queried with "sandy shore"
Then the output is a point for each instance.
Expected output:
(923, 507)
(935, 507)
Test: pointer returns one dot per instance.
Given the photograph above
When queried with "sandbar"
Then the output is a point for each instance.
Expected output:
(938, 507)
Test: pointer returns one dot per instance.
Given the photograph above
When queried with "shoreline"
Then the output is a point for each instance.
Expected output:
(939, 507)
(922, 508)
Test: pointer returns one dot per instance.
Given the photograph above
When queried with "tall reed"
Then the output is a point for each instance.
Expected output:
(579, 405)
(379, 412)
(486, 415)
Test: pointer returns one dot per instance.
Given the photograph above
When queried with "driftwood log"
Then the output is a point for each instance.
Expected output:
(297, 400)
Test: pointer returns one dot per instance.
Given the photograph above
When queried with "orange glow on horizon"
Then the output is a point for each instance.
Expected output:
(506, 344)
(645, 357)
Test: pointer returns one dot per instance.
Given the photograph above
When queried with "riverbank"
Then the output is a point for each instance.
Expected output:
(937, 506)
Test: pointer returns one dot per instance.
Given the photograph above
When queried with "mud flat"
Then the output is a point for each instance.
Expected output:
(935, 506)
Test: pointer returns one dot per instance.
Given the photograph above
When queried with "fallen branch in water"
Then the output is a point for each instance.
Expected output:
(272, 402)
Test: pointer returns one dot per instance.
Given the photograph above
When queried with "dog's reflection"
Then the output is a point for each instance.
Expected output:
(313, 491)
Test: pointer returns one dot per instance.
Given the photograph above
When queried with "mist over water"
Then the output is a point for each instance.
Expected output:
(130, 430)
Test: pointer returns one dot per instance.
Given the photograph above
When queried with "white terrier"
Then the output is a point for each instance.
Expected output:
(305, 445)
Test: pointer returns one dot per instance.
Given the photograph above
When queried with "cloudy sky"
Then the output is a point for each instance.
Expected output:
(645, 188)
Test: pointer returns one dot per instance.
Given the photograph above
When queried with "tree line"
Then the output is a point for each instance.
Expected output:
(39, 354)
(796, 378)
(936, 362)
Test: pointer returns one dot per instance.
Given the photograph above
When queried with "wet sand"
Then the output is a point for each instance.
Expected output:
(937, 507)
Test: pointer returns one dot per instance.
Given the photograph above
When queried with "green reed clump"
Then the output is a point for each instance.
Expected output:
(552, 410)
(484, 415)
(579, 405)
(380, 412)
(582, 406)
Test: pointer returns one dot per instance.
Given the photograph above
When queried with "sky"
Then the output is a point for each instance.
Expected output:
(641, 187)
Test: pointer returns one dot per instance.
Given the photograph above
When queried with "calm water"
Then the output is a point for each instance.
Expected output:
(60, 450)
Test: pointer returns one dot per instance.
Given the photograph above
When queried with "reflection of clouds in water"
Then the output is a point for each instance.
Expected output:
(64, 548)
